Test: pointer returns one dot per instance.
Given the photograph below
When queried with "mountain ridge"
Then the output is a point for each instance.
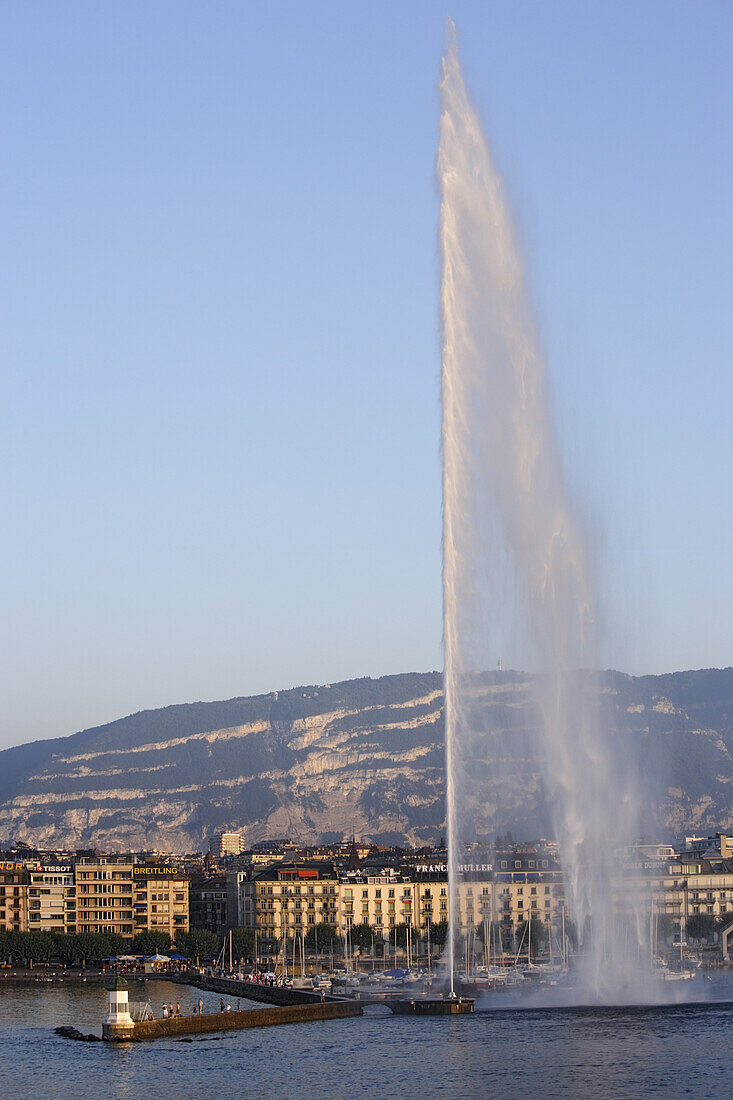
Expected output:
(363, 755)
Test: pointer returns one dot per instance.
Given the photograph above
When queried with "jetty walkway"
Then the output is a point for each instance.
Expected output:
(178, 1026)
(251, 991)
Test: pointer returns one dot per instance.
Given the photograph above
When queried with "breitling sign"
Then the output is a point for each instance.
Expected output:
(148, 871)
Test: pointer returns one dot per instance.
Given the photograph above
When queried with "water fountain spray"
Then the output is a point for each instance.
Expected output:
(507, 512)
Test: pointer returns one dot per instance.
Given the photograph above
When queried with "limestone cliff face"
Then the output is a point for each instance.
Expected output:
(364, 756)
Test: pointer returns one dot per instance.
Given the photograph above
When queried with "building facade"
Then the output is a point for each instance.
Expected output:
(161, 902)
(13, 897)
(51, 898)
(226, 844)
(104, 894)
(208, 904)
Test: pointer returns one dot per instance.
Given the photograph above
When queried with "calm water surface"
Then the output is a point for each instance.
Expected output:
(675, 1051)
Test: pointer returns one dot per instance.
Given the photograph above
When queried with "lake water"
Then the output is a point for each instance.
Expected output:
(672, 1051)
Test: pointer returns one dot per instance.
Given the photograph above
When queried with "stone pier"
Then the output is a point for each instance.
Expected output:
(179, 1026)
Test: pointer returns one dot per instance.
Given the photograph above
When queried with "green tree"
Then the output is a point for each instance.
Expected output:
(439, 933)
(362, 936)
(537, 933)
(324, 936)
(665, 926)
(40, 947)
(507, 936)
(116, 944)
(16, 947)
(700, 926)
(488, 932)
(197, 944)
(151, 943)
(243, 943)
(398, 935)
(67, 948)
(92, 947)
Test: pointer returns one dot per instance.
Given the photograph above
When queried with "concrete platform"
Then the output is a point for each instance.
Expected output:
(432, 1006)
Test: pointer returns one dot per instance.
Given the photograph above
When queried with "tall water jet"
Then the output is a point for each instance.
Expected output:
(516, 568)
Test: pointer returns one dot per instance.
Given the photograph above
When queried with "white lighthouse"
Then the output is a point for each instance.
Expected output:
(118, 1023)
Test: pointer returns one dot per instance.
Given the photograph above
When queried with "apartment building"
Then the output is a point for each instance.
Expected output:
(51, 897)
(226, 844)
(13, 897)
(115, 894)
(161, 902)
(104, 894)
(287, 899)
(208, 904)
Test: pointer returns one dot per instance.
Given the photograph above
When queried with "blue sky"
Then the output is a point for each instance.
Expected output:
(220, 352)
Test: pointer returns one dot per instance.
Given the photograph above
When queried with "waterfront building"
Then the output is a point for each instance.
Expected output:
(161, 901)
(286, 899)
(516, 884)
(240, 899)
(13, 896)
(51, 897)
(382, 900)
(208, 903)
(104, 894)
(115, 894)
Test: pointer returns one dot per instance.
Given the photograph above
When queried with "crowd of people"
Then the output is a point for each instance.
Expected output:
(171, 1013)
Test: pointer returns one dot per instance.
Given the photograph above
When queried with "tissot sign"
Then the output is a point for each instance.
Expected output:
(147, 871)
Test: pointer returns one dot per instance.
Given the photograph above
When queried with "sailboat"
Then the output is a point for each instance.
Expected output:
(221, 958)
